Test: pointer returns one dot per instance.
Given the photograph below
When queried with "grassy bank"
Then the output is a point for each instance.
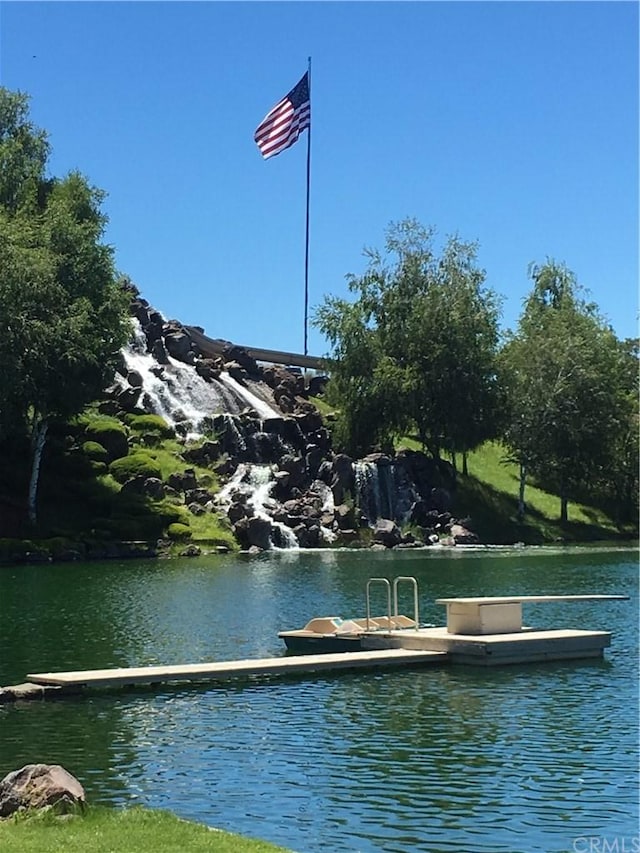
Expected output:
(102, 830)
(489, 495)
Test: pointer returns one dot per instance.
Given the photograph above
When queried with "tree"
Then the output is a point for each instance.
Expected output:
(63, 316)
(417, 348)
(564, 376)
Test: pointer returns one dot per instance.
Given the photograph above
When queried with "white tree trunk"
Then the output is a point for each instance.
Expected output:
(39, 439)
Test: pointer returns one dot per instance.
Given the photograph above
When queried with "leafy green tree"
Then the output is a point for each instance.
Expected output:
(417, 348)
(617, 482)
(63, 315)
(565, 377)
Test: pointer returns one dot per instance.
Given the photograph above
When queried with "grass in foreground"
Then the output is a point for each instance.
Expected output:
(104, 830)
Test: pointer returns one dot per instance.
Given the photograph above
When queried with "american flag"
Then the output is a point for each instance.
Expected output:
(282, 125)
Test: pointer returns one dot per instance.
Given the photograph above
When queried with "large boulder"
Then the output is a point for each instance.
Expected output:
(38, 785)
(178, 344)
(259, 533)
(183, 481)
(387, 533)
(463, 536)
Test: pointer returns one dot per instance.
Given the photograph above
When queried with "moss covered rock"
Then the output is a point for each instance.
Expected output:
(111, 434)
(150, 424)
(138, 464)
(177, 531)
(96, 452)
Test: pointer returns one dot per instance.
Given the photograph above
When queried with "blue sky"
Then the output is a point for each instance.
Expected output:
(511, 123)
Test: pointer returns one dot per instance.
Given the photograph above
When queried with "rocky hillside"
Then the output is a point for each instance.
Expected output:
(192, 453)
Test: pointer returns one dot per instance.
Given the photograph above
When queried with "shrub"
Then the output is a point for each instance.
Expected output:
(137, 464)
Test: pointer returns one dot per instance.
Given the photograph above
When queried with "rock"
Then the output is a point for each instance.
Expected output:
(259, 533)
(236, 371)
(343, 481)
(154, 488)
(128, 398)
(241, 357)
(237, 511)
(183, 482)
(208, 452)
(462, 536)
(387, 533)
(198, 496)
(134, 378)
(36, 786)
(207, 368)
(18, 692)
(317, 385)
(345, 516)
(178, 344)
(191, 551)
(159, 352)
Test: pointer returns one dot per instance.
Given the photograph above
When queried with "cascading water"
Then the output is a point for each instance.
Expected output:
(255, 483)
(383, 491)
(182, 397)
(328, 506)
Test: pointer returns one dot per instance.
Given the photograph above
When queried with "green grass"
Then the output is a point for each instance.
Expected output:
(489, 495)
(211, 529)
(322, 406)
(103, 830)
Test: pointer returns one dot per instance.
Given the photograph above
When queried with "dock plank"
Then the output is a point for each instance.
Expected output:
(219, 670)
(530, 599)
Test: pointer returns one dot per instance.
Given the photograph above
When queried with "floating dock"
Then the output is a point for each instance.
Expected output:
(485, 631)
(525, 646)
(222, 670)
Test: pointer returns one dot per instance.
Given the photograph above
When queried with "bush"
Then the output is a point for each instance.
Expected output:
(135, 465)
(178, 531)
(111, 434)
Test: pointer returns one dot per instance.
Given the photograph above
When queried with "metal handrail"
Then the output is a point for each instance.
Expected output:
(414, 582)
(388, 585)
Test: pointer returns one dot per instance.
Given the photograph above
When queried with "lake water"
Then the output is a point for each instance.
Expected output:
(509, 760)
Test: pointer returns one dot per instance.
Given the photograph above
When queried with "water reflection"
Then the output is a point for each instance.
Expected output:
(451, 759)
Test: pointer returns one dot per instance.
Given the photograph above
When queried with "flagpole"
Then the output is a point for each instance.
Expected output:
(306, 242)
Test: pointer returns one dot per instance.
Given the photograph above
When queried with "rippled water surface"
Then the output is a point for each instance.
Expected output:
(516, 759)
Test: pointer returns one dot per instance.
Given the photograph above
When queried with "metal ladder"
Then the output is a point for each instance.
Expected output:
(387, 584)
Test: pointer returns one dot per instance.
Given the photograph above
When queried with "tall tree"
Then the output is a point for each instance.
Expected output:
(564, 375)
(63, 316)
(417, 348)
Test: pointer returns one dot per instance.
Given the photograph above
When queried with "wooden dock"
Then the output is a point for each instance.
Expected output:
(525, 646)
(222, 670)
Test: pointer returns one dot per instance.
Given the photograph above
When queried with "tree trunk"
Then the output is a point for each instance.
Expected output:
(39, 439)
(564, 515)
(465, 465)
(523, 483)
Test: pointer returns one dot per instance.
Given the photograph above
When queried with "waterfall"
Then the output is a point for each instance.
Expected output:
(255, 483)
(182, 397)
(368, 490)
(263, 409)
(383, 491)
(328, 505)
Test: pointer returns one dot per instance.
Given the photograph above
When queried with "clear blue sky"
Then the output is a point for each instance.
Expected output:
(511, 123)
